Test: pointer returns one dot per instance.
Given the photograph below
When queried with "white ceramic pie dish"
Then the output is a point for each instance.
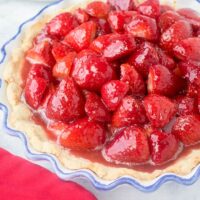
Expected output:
(68, 174)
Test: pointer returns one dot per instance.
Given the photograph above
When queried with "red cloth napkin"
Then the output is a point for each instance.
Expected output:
(22, 180)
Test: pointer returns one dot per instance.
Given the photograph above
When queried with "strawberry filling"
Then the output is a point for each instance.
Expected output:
(120, 79)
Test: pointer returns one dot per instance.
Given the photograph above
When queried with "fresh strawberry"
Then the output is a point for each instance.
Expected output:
(62, 24)
(190, 70)
(188, 49)
(165, 59)
(67, 103)
(165, 8)
(128, 146)
(95, 109)
(191, 15)
(163, 146)
(175, 33)
(34, 91)
(187, 129)
(117, 19)
(159, 109)
(143, 27)
(63, 67)
(122, 4)
(167, 19)
(42, 36)
(81, 15)
(186, 105)
(133, 79)
(130, 111)
(164, 82)
(83, 135)
(150, 8)
(98, 9)
(114, 46)
(91, 71)
(59, 50)
(40, 71)
(198, 101)
(145, 56)
(113, 92)
(41, 54)
(81, 37)
(103, 27)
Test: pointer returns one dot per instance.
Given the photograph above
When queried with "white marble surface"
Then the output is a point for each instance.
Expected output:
(14, 12)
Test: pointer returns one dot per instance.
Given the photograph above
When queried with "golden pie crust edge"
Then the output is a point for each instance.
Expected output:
(19, 118)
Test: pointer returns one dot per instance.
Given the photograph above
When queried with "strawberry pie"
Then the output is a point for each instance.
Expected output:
(113, 87)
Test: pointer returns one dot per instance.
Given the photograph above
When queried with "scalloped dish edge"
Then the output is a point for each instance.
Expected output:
(20, 114)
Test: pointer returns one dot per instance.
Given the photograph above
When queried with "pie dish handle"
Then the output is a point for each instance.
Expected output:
(83, 173)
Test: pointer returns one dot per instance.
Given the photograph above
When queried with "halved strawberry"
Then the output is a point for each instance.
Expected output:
(128, 146)
(145, 56)
(114, 46)
(98, 9)
(42, 36)
(163, 146)
(165, 59)
(143, 27)
(41, 54)
(167, 19)
(187, 129)
(91, 71)
(95, 109)
(122, 4)
(83, 135)
(40, 71)
(81, 37)
(103, 27)
(190, 70)
(61, 24)
(191, 15)
(113, 92)
(175, 33)
(133, 79)
(81, 15)
(117, 19)
(188, 49)
(159, 109)
(150, 8)
(130, 111)
(164, 82)
(63, 67)
(59, 50)
(34, 91)
(186, 105)
(67, 102)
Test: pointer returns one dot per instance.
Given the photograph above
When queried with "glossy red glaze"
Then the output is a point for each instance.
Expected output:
(91, 71)
(66, 103)
(83, 135)
(159, 109)
(187, 129)
(130, 111)
(129, 146)
(113, 92)
(163, 146)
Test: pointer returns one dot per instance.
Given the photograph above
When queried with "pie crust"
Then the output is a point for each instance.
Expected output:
(20, 119)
